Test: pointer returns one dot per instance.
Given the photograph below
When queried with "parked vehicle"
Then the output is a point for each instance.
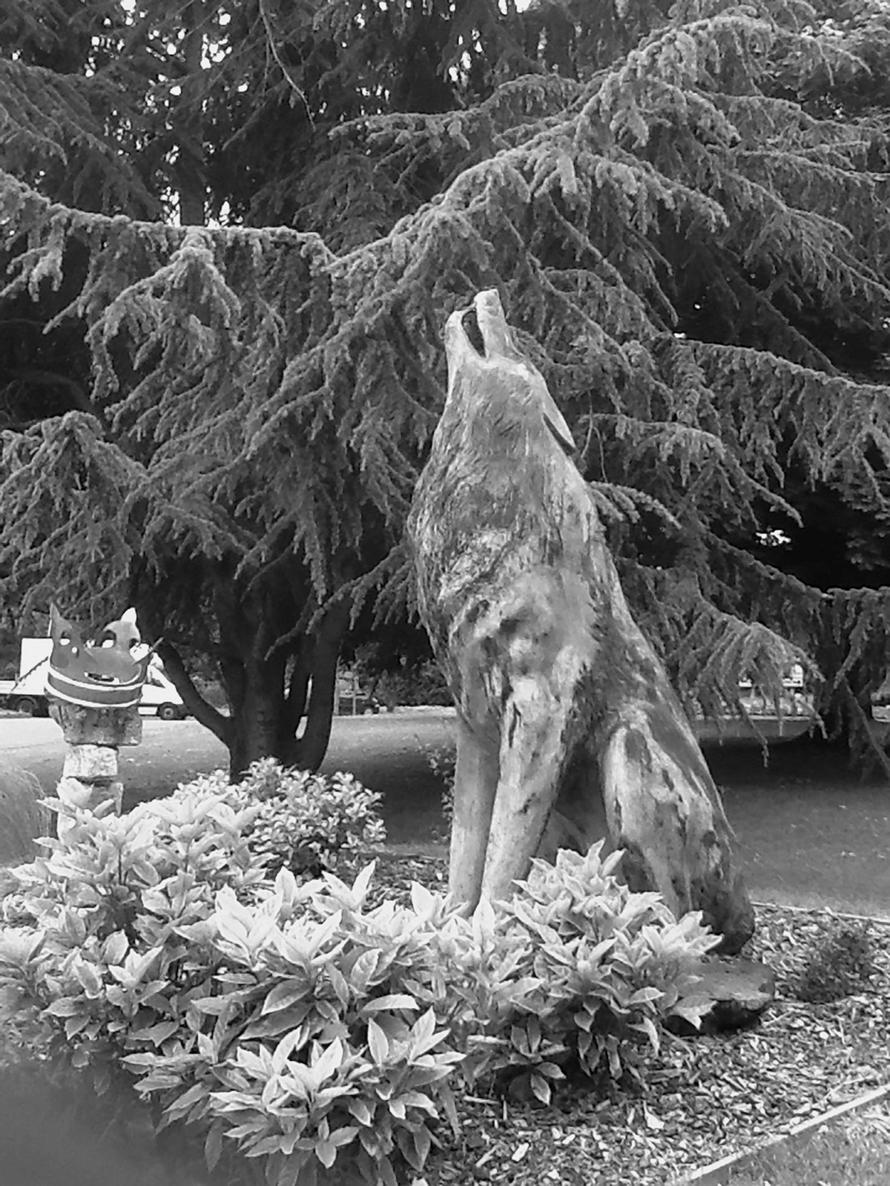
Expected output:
(351, 698)
(27, 692)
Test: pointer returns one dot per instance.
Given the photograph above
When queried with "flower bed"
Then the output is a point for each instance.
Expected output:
(300, 1019)
(704, 1097)
(699, 1099)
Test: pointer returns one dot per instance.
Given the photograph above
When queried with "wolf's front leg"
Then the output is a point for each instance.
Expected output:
(475, 783)
(531, 758)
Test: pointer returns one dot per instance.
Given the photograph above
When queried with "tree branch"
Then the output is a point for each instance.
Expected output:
(291, 81)
(203, 712)
(44, 378)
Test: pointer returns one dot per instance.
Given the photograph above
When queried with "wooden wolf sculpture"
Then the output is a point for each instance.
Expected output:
(564, 713)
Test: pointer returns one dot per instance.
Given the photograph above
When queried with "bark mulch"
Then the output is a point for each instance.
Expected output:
(706, 1097)
(702, 1098)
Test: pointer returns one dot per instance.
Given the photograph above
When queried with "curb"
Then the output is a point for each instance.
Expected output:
(876, 918)
(717, 1173)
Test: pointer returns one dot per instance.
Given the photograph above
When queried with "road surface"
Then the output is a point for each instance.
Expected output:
(388, 753)
(807, 832)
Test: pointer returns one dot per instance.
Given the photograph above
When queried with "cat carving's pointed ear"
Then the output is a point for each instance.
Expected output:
(123, 632)
(61, 630)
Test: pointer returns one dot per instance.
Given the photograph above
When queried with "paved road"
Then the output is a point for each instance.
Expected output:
(807, 833)
(388, 753)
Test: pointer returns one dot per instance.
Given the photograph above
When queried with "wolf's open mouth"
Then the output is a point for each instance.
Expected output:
(473, 332)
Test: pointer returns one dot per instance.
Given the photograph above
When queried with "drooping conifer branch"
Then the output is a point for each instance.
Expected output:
(682, 244)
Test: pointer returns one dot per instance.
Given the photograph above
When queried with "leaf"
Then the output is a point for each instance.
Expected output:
(330, 1061)
(693, 1009)
(291, 1041)
(399, 1000)
(551, 1070)
(422, 1143)
(377, 1043)
(66, 1007)
(115, 947)
(360, 1110)
(339, 983)
(424, 1035)
(156, 1034)
(213, 1145)
(285, 994)
(363, 881)
(540, 1087)
(646, 1026)
(386, 1172)
(643, 996)
(422, 901)
(76, 1025)
(363, 970)
(326, 1152)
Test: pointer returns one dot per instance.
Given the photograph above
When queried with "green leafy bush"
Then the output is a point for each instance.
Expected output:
(442, 761)
(319, 1047)
(574, 971)
(421, 683)
(287, 1017)
(306, 820)
(22, 817)
(841, 963)
(300, 1023)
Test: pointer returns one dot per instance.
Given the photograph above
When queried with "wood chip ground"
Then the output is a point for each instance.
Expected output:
(704, 1097)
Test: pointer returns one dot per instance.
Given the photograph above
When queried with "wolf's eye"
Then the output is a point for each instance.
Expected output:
(473, 332)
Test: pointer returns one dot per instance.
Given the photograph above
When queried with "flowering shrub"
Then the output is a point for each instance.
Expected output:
(315, 1031)
(287, 1017)
(575, 969)
(841, 963)
(442, 761)
(305, 820)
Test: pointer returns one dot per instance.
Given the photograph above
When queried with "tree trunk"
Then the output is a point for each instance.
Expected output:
(308, 751)
(271, 685)
(189, 122)
(565, 714)
(256, 728)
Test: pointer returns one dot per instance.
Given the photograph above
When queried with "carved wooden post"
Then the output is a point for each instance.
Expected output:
(563, 709)
(94, 692)
(90, 773)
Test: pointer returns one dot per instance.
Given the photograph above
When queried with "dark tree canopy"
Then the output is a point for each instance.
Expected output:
(231, 235)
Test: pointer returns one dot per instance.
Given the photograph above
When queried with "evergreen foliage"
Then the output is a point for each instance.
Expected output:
(316, 1025)
(683, 204)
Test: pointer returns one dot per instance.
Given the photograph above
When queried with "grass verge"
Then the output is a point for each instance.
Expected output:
(854, 1151)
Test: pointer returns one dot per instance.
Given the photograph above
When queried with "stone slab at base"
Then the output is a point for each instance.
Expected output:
(97, 726)
(740, 990)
